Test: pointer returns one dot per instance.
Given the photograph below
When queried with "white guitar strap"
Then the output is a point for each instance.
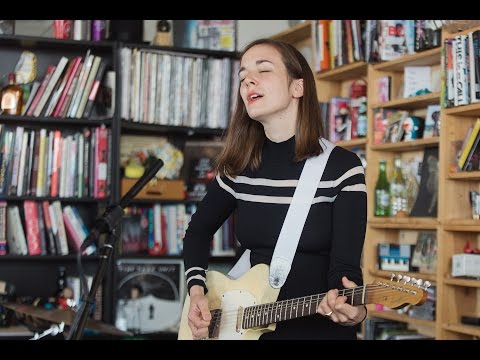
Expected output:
(294, 221)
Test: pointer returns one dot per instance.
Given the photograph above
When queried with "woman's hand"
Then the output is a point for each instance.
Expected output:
(338, 310)
(198, 314)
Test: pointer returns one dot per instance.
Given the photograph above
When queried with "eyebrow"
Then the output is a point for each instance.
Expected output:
(258, 62)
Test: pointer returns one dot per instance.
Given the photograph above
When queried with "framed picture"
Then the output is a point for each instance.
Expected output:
(149, 295)
(7, 27)
(205, 34)
(199, 166)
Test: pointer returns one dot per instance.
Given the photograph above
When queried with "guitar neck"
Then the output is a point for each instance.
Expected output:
(264, 314)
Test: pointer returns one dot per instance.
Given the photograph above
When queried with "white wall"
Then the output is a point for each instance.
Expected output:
(248, 30)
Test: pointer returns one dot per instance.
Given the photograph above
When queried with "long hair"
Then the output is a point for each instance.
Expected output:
(245, 136)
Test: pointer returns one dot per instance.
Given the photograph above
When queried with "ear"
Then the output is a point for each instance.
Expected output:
(297, 91)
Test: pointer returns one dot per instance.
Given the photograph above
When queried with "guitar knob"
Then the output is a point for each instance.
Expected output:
(392, 276)
(406, 279)
(399, 277)
(413, 281)
(419, 282)
(427, 285)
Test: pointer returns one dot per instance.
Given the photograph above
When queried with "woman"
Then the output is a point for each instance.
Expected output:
(275, 128)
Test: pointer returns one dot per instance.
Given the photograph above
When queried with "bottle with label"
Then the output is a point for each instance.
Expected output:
(398, 187)
(163, 37)
(11, 97)
(382, 191)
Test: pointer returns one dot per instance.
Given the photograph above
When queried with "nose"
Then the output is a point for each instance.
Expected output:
(249, 80)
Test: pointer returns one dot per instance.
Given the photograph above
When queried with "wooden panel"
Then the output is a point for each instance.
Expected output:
(296, 33)
(416, 102)
(345, 72)
(407, 145)
(423, 58)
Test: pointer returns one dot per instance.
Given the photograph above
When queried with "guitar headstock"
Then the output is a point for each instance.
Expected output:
(399, 291)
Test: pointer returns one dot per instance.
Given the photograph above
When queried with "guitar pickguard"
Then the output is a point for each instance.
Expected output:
(229, 326)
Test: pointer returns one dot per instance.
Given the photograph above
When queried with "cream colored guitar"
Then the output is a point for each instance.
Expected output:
(245, 308)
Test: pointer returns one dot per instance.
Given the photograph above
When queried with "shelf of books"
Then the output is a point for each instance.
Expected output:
(404, 135)
(459, 184)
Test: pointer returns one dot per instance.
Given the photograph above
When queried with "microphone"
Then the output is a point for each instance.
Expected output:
(113, 214)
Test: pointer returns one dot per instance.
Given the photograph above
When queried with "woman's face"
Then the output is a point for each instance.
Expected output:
(265, 87)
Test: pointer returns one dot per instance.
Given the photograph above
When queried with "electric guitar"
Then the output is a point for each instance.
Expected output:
(245, 308)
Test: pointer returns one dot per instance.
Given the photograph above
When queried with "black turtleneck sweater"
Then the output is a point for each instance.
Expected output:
(331, 242)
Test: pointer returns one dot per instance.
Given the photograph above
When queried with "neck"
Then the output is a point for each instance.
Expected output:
(278, 130)
(282, 125)
(264, 314)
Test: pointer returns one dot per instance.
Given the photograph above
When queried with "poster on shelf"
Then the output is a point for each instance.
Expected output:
(149, 294)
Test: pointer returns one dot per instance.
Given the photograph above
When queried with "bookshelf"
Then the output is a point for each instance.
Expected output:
(453, 224)
(457, 296)
(36, 275)
(397, 229)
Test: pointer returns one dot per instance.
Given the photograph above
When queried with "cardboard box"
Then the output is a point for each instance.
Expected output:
(157, 189)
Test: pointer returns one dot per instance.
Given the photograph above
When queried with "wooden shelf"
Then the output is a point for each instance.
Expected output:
(411, 103)
(464, 175)
(464, 110)
(407, 145)
(134, 127)
(48, 258)
(296, 33)
(462, 282)
(391, 315)
(463, 329)
(51, 198)
(466, 225)
(352, 143)
(15, 331)
(423, 58)
(51, 121)
(412, 223)
(417, 275)
(346, 72)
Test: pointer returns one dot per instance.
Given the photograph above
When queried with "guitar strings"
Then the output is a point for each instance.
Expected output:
(299, 302)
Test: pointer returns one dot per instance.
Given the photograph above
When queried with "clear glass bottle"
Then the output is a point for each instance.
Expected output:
(11, 97)
(398, 188)
(382, 191)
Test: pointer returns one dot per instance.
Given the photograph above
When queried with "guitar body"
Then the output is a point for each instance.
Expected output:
(227, 298)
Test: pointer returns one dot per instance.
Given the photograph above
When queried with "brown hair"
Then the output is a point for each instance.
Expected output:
(245, 137)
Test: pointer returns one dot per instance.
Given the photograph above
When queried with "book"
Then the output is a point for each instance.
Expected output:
(199, 166)
(427, 198)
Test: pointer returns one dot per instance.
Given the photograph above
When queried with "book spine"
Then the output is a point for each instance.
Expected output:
(31, 227)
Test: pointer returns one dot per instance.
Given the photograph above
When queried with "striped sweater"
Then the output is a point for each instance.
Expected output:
(331, 242)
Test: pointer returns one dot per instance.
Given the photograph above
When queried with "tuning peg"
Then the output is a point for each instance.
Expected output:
(399, 277)
(413, 281)
(406, 279)
(427, 284)
(419, 282)
(392, 276)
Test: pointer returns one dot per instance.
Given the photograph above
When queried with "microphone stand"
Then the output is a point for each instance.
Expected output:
(106, 224)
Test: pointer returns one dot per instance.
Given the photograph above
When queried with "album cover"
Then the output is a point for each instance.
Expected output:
(149, 295)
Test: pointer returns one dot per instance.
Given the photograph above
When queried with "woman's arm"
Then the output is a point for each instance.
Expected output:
(213, 210)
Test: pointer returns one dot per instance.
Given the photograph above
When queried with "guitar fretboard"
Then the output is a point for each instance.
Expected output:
(264, 314)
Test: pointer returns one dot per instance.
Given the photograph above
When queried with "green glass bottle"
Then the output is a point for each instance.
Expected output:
(382, 191)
